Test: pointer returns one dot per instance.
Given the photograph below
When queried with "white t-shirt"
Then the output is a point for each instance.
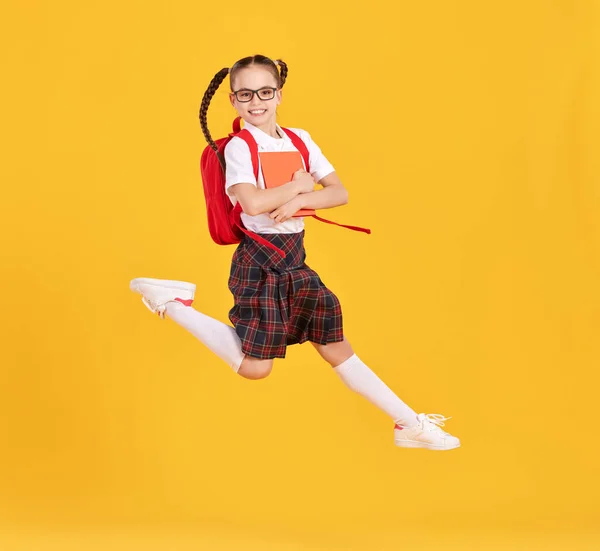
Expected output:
(239, 170)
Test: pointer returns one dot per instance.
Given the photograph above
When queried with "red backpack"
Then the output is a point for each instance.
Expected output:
(224, 221)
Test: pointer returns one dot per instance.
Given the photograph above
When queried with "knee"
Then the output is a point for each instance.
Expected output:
(252, 368)
(335, 353)
(255, 372)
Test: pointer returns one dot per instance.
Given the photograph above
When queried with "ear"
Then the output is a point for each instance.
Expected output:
(232, 98)
(279, 96)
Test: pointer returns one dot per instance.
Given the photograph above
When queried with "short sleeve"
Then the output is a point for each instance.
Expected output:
(238, 164)
(319, 165)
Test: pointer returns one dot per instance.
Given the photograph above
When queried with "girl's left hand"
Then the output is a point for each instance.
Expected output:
(285, 212)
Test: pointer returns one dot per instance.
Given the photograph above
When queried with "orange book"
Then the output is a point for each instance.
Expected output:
(278, 168)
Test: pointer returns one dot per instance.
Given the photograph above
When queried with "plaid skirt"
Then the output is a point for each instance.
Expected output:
(280, 301)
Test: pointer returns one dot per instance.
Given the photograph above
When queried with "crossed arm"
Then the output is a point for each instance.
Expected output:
(284, 201)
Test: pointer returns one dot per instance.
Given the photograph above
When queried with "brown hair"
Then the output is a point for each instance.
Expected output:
(243, 63)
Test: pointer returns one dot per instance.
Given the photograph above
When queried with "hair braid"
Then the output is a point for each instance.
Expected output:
(210, 92)
(283, 72)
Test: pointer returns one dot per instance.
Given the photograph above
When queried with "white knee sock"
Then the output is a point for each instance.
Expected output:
(217, 336)
(359, 377)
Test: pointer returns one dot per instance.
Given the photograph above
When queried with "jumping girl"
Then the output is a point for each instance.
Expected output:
(280, 301)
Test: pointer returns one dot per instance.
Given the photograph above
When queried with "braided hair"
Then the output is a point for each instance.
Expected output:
(279, 74)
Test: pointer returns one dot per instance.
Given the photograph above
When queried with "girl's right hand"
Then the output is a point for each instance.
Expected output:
(305, 181)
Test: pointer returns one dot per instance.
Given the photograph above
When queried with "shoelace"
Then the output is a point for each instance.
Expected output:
(436, 419)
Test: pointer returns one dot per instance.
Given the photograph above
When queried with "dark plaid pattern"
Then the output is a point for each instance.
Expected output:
(280, 301)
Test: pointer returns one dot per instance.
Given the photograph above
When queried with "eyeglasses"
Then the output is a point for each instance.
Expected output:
(245, 95)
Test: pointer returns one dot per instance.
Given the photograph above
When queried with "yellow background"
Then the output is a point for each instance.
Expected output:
(467, 134)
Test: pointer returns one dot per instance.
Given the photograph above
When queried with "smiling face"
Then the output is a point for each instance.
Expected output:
(258, 112)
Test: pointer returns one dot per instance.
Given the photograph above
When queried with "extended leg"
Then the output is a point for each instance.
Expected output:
(360, 378)
(410, 430)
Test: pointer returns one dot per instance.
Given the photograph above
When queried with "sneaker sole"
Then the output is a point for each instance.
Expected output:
(168, 283)
(413, 444)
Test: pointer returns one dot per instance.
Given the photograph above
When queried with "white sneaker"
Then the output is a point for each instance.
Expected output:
(427, 434)
(157, 292)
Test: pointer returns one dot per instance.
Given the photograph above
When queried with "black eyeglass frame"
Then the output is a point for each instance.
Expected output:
(253, 93)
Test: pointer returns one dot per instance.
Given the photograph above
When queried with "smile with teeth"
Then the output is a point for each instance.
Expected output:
(257, 111)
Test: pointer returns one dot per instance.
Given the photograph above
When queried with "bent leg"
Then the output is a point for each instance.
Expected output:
(255, 368)
(219, 337)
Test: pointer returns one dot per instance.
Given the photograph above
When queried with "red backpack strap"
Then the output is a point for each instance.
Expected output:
(237, 220)
(253, 146)
(355, 228)
(299, 145)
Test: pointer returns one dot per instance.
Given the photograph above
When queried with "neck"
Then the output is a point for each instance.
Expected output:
(269, 127)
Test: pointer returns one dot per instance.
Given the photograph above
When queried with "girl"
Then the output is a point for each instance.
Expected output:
(280, 301)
